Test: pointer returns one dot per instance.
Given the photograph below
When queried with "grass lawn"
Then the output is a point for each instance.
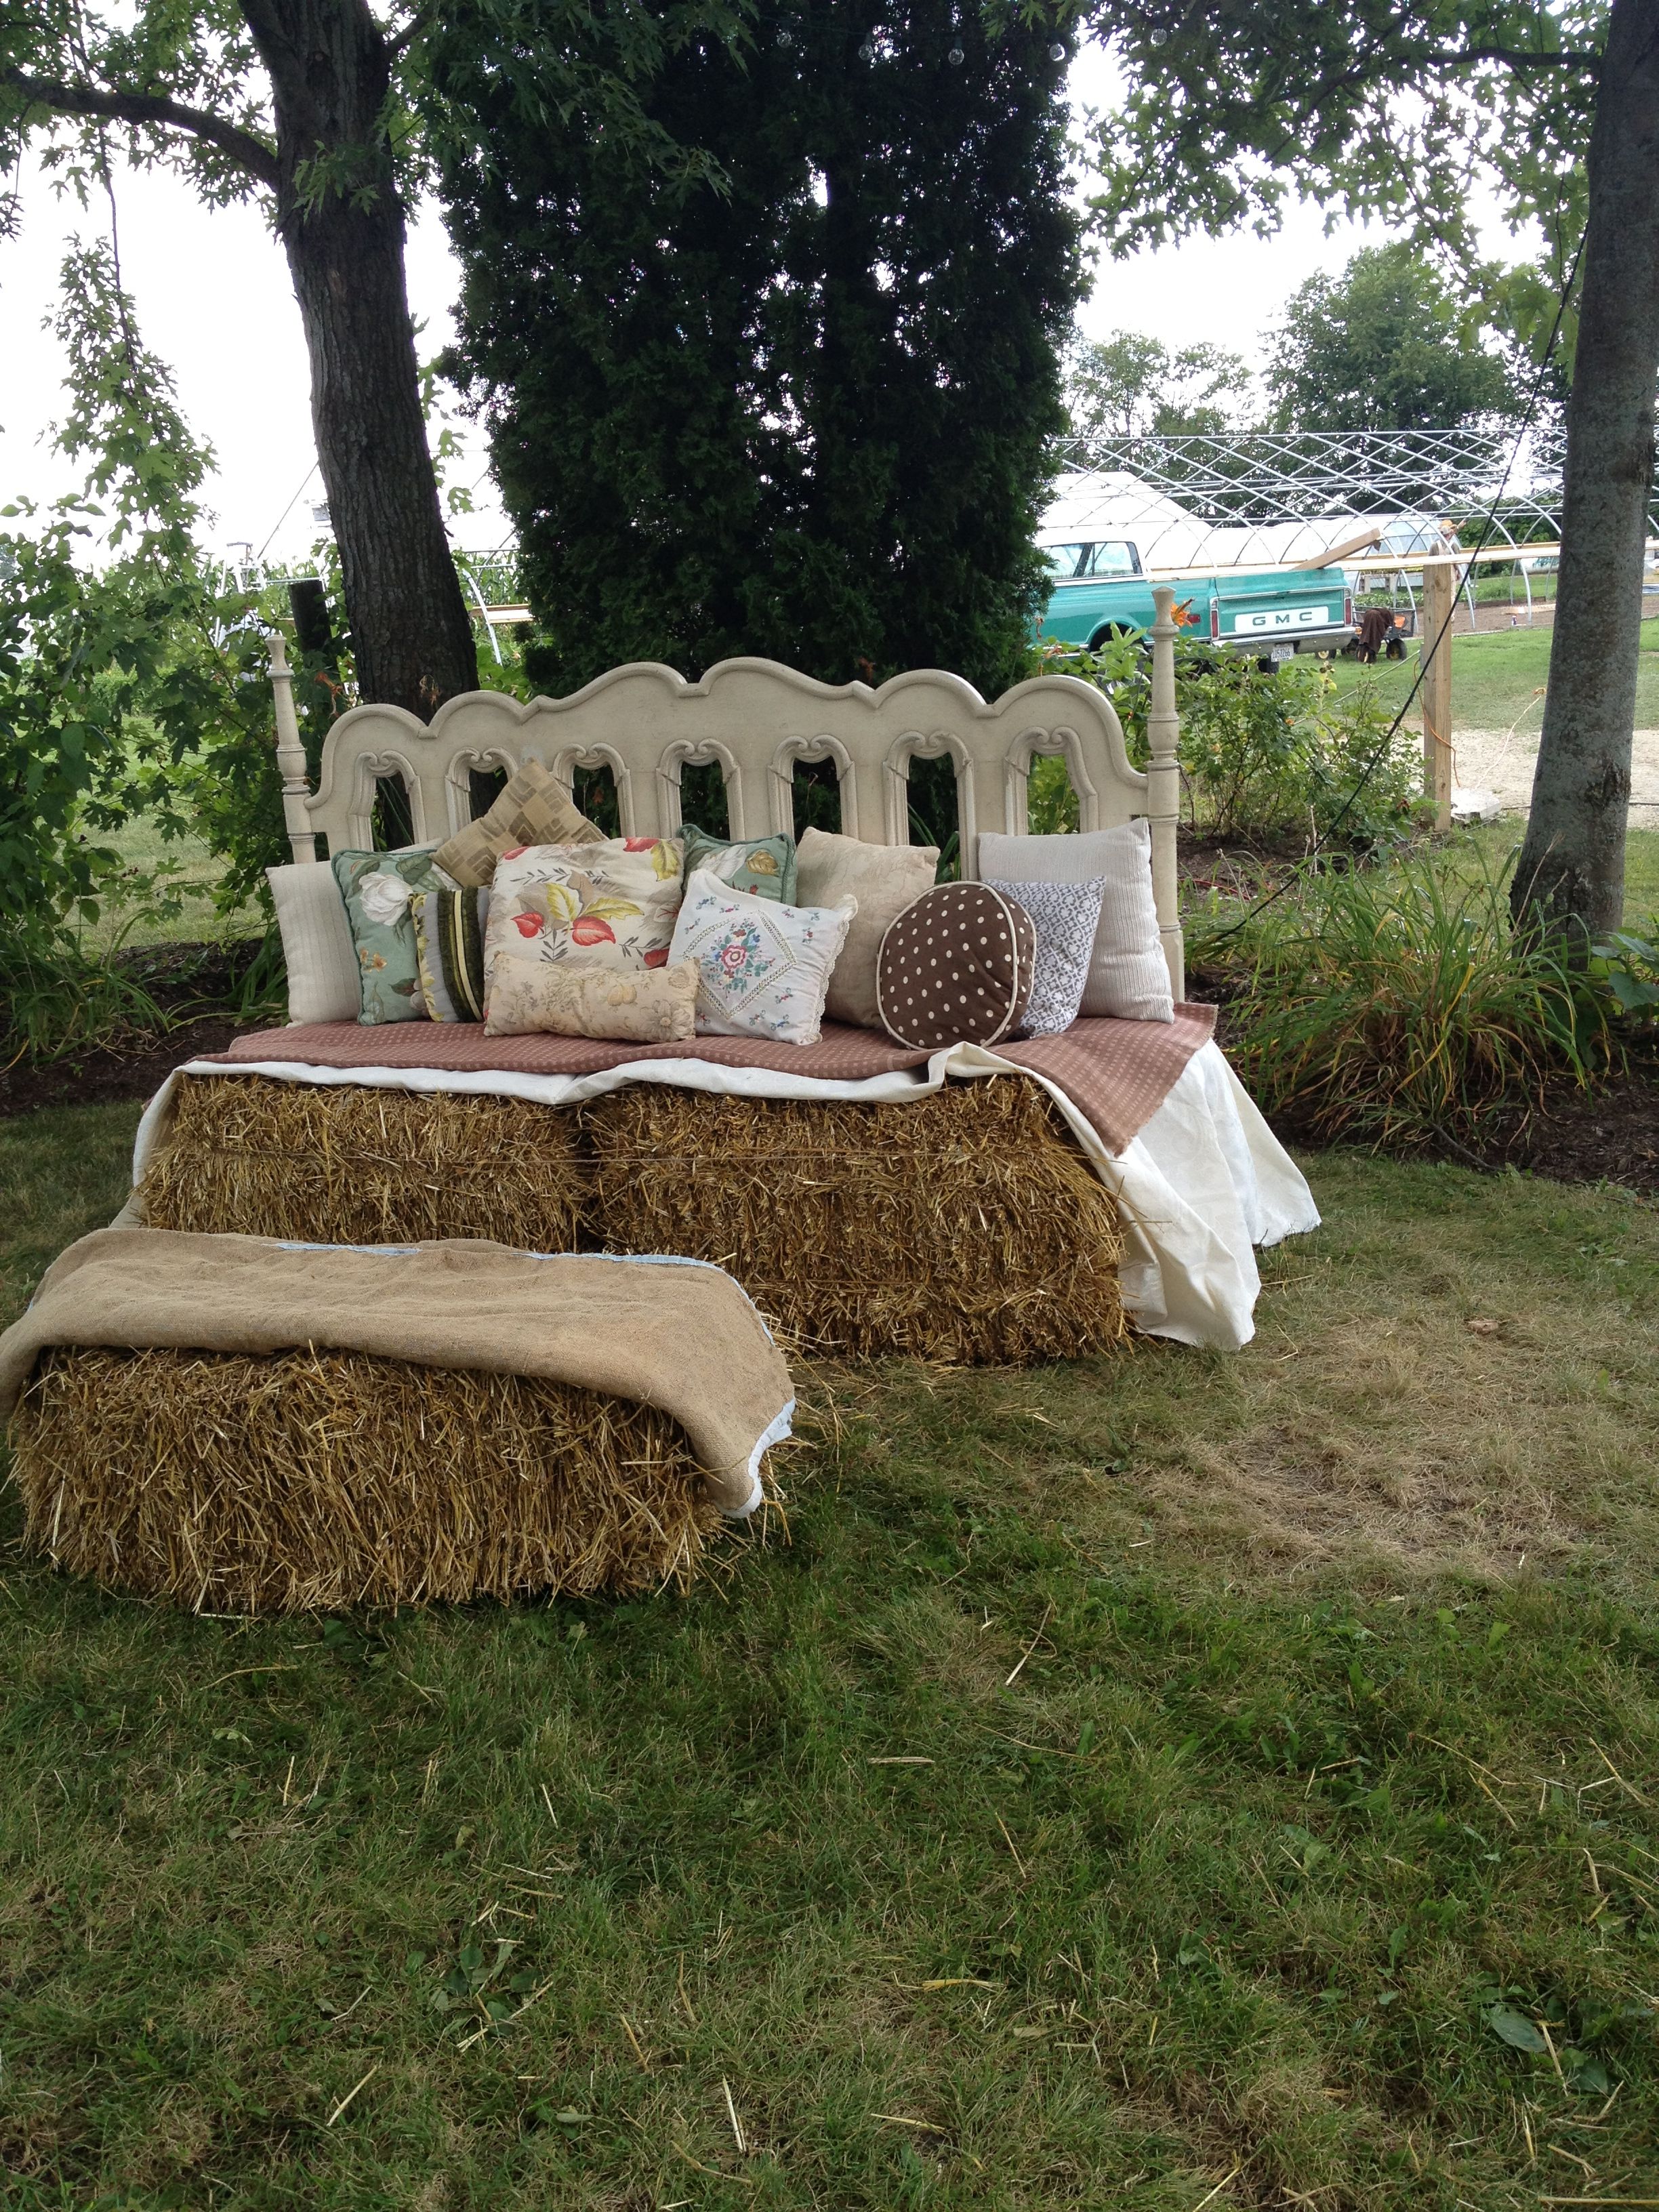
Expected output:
(1495, 844)
(1499, 679)
(1169, 1781)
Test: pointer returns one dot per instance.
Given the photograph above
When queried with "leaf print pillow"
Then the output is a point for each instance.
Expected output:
(613, 900)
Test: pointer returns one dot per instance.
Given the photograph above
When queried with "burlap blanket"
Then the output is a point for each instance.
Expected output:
(673, 1333)
(1116, 1074)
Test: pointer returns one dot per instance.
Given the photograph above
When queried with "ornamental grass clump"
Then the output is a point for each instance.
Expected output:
(1397, 1007)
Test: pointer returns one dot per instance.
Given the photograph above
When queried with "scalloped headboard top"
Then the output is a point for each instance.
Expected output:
(754, 718)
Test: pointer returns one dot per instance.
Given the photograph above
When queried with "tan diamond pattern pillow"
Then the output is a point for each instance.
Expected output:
(531, 810)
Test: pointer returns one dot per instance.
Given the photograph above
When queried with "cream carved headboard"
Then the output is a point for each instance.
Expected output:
(754, 718)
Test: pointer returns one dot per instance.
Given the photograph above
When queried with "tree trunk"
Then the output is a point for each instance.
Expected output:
(1570, 878)
(330, 72)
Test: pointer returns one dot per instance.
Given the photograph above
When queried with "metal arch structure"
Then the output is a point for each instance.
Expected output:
(1252, 487)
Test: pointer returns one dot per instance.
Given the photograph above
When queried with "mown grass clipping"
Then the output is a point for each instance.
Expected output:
(965, 1225)
(353, 1164)
(309, 1480)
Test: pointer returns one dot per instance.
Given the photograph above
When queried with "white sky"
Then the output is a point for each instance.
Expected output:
(214, 300)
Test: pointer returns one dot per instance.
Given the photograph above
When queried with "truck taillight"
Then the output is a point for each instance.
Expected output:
(1215, 622)
(1347, 610)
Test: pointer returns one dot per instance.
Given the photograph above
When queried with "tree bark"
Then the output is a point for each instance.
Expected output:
(1570, 878)
(331, 70)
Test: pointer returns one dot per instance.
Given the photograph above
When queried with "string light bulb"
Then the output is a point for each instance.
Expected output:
(956, 58)
(785, 39)
(1057, 52)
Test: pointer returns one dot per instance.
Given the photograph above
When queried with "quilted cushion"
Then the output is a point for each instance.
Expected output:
(956, 968)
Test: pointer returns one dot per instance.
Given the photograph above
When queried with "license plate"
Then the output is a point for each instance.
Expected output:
(1263, 622)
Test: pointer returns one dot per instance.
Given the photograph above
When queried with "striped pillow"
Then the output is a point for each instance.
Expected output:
(449, 942)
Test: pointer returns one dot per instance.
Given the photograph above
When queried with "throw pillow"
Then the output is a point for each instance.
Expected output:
(956, 968)
(613, 900)
(586, 998)
(449, 941)
(377, 888)
(763, 966)
(1066, 917)
(881, 880)
(765, 867)
(1129, 975)
(317, 947)
(532, 810)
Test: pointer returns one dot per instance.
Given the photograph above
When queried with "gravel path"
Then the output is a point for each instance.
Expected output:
(1501, 760)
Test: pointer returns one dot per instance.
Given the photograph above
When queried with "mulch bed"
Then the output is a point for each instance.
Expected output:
(192, 984)
(1608, 1134)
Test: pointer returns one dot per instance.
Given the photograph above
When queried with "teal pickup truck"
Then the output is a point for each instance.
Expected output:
(1101, 592)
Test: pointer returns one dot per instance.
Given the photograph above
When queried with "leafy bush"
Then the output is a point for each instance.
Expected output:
(1394, 1005)
(1265, 751)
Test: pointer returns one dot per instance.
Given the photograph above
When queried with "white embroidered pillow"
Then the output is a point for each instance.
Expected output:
(762, 967)
(612, 901)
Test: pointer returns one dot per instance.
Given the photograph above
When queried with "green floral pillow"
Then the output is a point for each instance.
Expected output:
(762, 866)
(377, 888)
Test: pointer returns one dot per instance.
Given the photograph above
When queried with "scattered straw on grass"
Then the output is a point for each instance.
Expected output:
(966, 1225)
(353, 1164)
(306, 1481)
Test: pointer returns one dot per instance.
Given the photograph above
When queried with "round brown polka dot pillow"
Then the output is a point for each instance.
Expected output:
(956, 968)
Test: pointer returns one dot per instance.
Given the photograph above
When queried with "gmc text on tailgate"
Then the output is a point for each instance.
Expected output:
(1101, 592)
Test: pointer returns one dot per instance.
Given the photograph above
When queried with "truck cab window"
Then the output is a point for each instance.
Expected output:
(1115, 558)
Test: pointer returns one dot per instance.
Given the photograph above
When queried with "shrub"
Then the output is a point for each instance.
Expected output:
(1266, 752)
(1394, 1005)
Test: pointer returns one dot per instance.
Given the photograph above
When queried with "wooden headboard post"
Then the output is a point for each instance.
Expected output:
(291, 756)
(755, 719)
(1163, 785)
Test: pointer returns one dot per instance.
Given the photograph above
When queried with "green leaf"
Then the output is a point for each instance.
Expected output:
(1514, 2028)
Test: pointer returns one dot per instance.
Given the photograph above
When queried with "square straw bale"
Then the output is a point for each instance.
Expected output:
(307, 1481)
(966, 1224)
(351, 1164)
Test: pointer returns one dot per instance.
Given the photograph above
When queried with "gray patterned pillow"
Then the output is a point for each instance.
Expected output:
(1066, 917)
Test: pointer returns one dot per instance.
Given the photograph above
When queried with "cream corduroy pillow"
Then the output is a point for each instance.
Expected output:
(317, 947)
(1129, 975)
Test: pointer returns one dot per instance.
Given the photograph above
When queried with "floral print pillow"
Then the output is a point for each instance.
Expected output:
(612, 901)
(763, 966)
(377, 888)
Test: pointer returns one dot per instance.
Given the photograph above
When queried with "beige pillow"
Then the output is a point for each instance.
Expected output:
(590, 998)
(317, 948)
(531, 810)
(883, 880)
(1129, 975)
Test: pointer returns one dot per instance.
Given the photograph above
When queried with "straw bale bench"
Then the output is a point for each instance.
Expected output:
(965, 1225)
(226, 1423)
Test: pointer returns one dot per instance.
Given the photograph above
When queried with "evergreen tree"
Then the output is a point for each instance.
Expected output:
(805, 411)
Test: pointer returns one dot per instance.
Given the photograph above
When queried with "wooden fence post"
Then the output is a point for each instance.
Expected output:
(1439, 598)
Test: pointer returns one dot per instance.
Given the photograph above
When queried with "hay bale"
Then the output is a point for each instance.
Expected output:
(306, 1481)
(966, 1224)
(351, 1164)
